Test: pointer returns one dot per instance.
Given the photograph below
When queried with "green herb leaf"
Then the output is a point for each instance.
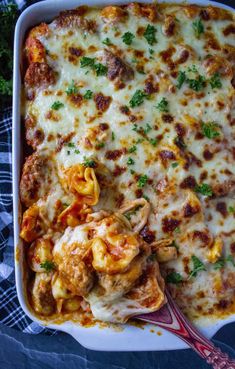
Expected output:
(163, 105)
(48, 266)
(197, 84)
(113, 136)
(174, 278)
(230, 259)
(71, 144)
(151, 51)
(57, 105)
(153, 141)
(198, 27)
(72, 89)
(89, 163)
(219, 264)
(99, 145)
(231, 209)
(197, 266)
(147, 128)
(215, 81)
(177, 230)
(127, 38)
(77, 151)
(150, 34)
(138, 98)
(174, 165)
(130, 161)
(101, 70)
(88, 95)
(132, 149)
(204, 189)
(181, 79)
(210, 130)
(87, 62)
(192, 69)
(174, 244)
(107, 41)
(142, 181)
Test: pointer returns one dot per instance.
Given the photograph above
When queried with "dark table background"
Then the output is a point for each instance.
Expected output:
(23, 351)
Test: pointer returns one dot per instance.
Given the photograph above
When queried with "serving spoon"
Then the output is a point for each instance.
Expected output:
(172, 319)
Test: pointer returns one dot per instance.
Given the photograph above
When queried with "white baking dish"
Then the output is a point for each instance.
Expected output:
(130, 338)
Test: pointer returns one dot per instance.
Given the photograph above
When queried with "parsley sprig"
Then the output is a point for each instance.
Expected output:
(174, 278)
(150, 34)
(100, 69)
(204, 189)
(127, 38)
(163, 105)
(197, 266)
(138, 98)
(210, 130)
(198, 27)
(48, 266)
(57, 105)
(143, 179)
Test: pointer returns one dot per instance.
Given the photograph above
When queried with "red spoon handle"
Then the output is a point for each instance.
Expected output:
(171, 319)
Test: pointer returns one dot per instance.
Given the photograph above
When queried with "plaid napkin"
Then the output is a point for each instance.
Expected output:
(11, 313)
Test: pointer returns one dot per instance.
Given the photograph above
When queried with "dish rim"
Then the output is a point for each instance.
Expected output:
(29, 17)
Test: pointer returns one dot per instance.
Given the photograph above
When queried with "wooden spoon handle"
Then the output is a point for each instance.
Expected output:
(171, 318)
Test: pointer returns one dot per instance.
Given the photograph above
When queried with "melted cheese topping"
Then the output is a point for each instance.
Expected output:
(158, 149)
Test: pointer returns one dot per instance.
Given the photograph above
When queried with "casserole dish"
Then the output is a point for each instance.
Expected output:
(129, 337)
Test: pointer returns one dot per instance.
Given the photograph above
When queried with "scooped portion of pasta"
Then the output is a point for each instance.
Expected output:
(103, 262)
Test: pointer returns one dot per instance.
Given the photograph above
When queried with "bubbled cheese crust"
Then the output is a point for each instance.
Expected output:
(142, 150)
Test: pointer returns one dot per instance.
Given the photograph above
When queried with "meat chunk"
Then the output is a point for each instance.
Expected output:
(42, 299)
(118, 70)
(35, 180)
(74, 19)
(169, 26)
(102, 102)
(76, 275)
(39, 75)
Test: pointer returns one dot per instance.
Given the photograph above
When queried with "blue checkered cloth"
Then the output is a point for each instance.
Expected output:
(11, 313)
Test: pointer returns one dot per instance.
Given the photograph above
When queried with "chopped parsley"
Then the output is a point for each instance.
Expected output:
(210, 130)
(57, 105)
(146, 197)
(150, 34)
(151, 51)
(147, 128)
(77, 151)
(181, 79)
(138, 98)
(231, 209)
(219, 264)
(107, 41)
(88, 95)
(192, 69)
(177, 230)
(87, 62)
(142, 181)
(230, 259)
(101, 70)
(198, 27)
(197, 266)
(68, 152)
(132, 149)
(204, 189)
(113, 136)
(99, 145)
(72, 89)
(215, 81)
(48, 265)
(153, 141)
(174, 165)
(197, 84)
(163, 105)
(71, 144)
(130, 161)
(127, 38)
(89, 163)
(174, 278)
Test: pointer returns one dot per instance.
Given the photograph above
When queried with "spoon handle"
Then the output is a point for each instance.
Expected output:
(171, 318)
